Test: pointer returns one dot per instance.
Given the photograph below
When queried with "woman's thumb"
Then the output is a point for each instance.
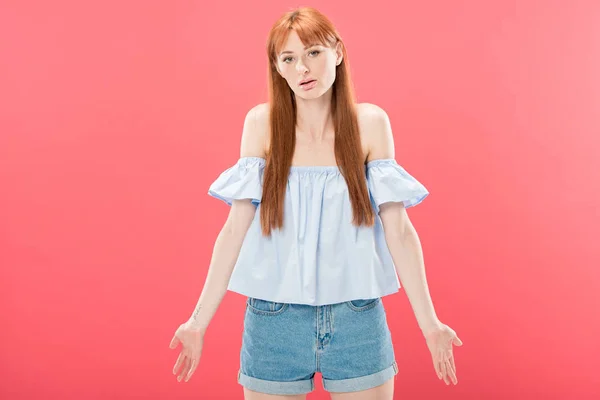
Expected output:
(174, 342)
(457, 341)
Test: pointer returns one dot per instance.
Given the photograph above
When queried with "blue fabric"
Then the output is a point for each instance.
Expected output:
(284, 345)
(318, 257)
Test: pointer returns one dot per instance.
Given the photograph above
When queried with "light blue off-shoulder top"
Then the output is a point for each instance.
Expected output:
(318, 257)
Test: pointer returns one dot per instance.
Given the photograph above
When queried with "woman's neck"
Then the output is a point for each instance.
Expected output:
(313, 117)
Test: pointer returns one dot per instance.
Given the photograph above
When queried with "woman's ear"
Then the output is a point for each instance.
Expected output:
(277, 69)
(339, 53)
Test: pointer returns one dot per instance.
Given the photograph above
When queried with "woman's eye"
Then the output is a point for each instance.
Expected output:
(285, 60)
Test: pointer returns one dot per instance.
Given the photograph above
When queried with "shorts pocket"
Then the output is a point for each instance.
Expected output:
(265, 307)
(363, 304)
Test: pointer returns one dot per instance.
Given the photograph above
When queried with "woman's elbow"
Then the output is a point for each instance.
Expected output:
(395, 221)
(240, 217)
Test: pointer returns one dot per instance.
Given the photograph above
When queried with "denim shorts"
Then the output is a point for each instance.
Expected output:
(285, 344)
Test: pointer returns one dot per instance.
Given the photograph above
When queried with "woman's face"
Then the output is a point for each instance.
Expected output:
(296, 63)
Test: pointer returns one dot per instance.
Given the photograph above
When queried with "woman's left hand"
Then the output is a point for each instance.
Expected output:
(439, 340)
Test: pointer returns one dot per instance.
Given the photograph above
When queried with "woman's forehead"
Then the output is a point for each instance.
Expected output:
(293, 42)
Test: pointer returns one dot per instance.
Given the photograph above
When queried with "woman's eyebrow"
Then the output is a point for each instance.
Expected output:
(289, 51)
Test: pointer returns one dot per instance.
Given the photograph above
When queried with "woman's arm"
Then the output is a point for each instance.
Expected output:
(400, 235)
(229, 241)
(225, 253)
(404, 245)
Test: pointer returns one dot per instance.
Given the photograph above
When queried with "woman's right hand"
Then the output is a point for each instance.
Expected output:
(191, 340)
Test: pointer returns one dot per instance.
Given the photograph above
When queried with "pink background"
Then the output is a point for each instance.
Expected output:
(116, 117)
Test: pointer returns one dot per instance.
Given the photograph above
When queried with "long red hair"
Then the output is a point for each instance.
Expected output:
(311, 27)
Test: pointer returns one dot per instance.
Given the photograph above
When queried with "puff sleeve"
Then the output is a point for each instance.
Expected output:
(387, 181)
(241, 181)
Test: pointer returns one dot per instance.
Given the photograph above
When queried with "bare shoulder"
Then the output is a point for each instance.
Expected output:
(376, 131)
(369, 110)
(255, 132)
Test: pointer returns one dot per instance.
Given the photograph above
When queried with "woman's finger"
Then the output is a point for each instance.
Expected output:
(436, 366)
(444, 372)
(451, 371)
(193, 366)
(451, 359)
(453, 364)
(448, 362)
(178, 363)
(184, 370)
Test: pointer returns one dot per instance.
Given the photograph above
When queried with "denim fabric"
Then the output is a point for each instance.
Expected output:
(319, 257)
(285, 344)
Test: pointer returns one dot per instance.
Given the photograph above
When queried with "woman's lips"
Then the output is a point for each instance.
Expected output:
(309, 85)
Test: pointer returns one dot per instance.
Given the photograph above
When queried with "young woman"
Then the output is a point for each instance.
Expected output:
(317, 233)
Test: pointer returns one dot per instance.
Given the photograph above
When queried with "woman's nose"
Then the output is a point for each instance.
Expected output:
(300, 67)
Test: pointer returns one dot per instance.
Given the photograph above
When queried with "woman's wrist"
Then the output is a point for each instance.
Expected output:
(196, 325)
